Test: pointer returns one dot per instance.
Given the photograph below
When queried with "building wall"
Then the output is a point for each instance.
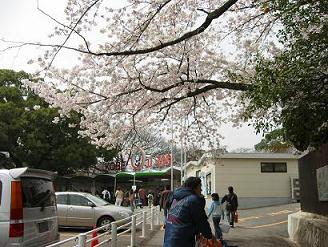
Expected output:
(254, 189)
(308, 166)
(206, 169)
(246, 178)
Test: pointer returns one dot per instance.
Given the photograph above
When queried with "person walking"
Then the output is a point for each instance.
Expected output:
(157, 197)
(150, 198)
(215, 212)
(142, 196)
(119, 194)
(186, 216)
(231, 200)
(164, 202)
(132, 200)
(106, 195)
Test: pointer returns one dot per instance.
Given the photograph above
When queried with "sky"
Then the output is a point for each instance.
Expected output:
(21, 21)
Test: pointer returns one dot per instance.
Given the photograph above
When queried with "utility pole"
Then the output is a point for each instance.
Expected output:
(172, 175)
(182, 158)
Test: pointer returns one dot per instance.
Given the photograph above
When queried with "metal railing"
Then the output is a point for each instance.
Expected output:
(110, 233)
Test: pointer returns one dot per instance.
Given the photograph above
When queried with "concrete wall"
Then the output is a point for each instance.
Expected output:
(308, 229)
(255, 189)
(246, 177)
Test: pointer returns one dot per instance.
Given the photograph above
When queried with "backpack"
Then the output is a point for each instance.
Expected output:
(229, 205)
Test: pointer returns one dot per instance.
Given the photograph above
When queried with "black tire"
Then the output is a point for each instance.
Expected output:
(105, 220)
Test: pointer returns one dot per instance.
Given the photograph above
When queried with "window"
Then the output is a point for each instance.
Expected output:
(209, 184)
(78, 200)
(267, 167)
(38, 193)
(96, 200)
(198, 173)
(62, 199)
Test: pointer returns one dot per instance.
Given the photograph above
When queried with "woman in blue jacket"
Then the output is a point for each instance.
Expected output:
(215, 210)
(186, 216)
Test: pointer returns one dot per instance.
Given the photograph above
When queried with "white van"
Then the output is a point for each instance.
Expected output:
(28, 212)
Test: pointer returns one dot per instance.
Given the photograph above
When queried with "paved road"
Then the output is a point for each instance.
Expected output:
(262, 226)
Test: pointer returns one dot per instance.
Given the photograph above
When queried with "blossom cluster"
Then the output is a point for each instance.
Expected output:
(132, 78)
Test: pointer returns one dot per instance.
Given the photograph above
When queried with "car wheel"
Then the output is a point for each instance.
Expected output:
(105, 220)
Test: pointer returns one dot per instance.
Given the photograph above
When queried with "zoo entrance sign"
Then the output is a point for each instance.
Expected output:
(140, 161)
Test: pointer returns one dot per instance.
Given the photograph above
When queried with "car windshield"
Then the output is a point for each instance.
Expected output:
(96, 200)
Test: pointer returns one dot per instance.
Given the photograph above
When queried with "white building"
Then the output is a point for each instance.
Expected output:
(259, 179)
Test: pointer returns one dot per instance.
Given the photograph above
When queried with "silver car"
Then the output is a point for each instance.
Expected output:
(76, 209)
(28, 213)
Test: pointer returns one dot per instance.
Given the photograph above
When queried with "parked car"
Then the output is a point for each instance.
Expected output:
(76, 209)
(28, 213)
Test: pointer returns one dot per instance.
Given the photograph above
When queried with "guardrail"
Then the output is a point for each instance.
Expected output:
(111, 231)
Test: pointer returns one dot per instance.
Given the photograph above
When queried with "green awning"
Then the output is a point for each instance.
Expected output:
(142, 174)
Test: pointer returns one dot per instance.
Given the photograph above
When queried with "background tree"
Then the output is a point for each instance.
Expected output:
(291, 88)
(274, 141)
(35, 135)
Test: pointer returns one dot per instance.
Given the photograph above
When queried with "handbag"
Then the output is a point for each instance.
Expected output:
(236, 217)
(225, 227)
(204, 242)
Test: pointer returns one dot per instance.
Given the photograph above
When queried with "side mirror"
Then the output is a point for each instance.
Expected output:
(90, 204)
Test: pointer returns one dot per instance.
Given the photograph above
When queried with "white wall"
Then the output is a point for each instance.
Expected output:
(248, 181)
(205, 169)
(254, 189)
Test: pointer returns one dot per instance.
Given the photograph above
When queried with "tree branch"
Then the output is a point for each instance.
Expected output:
(72, 30)
(147, 22)
(223, 84)
(210, 17)
(65, 26)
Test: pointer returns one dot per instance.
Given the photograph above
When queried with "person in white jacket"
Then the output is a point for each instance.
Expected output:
(119, 194)
(106, 195)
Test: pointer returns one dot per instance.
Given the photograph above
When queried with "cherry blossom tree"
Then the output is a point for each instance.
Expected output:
(178, 65)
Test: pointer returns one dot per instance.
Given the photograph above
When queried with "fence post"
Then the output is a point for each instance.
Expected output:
(144, 221)
(82, 240)
(114, 234)
(158, 216)
(133, 231)
(152, 219)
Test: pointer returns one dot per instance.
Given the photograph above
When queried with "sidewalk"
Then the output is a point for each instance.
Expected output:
(156, 240)
(125, 240)
(241, 241)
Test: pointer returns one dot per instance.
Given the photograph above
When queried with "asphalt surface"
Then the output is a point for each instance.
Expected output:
(259, 227)
(262, 227)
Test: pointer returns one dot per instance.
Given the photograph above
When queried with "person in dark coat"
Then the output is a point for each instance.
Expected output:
(186, 216)
(165, 201)
(231, 200)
